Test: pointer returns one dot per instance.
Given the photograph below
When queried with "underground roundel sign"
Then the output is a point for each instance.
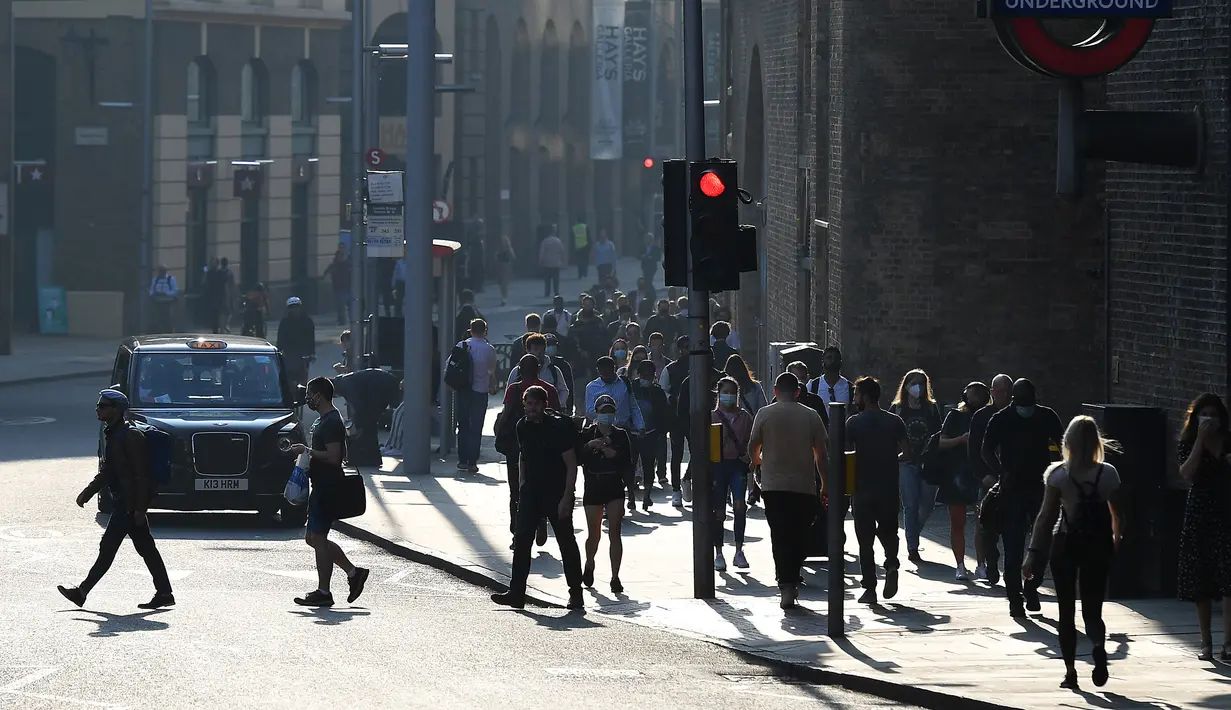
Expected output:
(1126, 28)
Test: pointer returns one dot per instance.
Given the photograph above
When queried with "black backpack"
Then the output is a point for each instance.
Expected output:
(1092, 520)
(459, 371)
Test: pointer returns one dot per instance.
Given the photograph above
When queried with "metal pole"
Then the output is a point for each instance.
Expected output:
(698, 320)
(420, 143)
(371, 122)
(6, 159)
(147, 169)
(356, 214)
(448, 276)
(836, 481)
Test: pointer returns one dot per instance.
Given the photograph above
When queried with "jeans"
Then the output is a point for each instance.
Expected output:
(532, 507)
(730, 475)
(395, 428)
(471, 411)
(1074, 557)
(918, 500)
(678, 442)
(876, 518)
(1019, 509)
(652, 449)
(790, 516)
(120, 526)
(551, 282)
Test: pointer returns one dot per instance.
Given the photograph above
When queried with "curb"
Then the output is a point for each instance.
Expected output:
(481, 577)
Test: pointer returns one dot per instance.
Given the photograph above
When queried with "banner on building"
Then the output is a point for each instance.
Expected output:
(607, 94)
(637, 85)
(711, 23)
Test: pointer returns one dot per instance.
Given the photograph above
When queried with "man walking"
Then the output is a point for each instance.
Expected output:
(548, 481)
(581, 247)
(879, 439)
(605, 257)
(986, 553)
(552, 258)
(325, 471)
(124, 469)
(1017, 448)
(164, 292)
(339, 275)
(788, 444)
(831, 386)
(297, 340)
(472, 401)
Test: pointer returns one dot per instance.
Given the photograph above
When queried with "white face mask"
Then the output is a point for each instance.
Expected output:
(1203, 419)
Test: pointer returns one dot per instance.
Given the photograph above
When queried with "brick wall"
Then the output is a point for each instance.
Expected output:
(1169, 227)
(947, 248)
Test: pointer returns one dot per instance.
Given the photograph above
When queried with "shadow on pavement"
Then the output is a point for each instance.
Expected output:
(215, 526)
(110, 625)
(574, 619)
(329, 616)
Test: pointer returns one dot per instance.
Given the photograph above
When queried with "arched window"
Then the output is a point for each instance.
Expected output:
(303, 94)
(254, 92)
(199, 93)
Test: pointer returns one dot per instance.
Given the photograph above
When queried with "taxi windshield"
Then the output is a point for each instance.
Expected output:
(209, 379)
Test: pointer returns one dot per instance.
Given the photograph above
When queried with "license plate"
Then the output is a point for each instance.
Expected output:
(222, 484)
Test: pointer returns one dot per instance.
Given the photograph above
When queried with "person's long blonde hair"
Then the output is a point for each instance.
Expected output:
(1084, 445)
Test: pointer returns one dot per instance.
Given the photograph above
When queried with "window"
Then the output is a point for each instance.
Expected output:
(218, 380)
(199, 106)
(303, 94)
(198, 236)
(254, 92)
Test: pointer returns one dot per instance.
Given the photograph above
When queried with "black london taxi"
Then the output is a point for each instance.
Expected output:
(231, 412)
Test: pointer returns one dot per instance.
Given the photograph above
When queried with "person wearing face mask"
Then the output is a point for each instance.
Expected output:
(606, 456)
(1205, 540)
(986, 552)
(878, 438)
(959, 489)
(915, 405)
(731, 473)
(635, 356)
(831, 386)
(1017, 448)
(652, 445)
(663, 322)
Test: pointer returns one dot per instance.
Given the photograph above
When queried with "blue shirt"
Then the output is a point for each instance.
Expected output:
(628, 413)
(605, 253)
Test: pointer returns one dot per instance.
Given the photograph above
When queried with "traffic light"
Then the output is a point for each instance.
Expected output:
(675, 223)
(714, 206)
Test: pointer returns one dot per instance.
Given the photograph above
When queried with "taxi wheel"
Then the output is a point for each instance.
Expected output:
(293, 516)
(105, 504)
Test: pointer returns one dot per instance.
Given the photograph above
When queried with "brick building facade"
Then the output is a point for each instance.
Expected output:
(910, 215)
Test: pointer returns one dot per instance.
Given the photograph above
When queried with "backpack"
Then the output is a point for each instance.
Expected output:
(459, 371)
(1093, 519)
(158, 444)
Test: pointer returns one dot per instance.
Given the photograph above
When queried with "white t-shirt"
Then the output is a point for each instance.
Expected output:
(1070, 495)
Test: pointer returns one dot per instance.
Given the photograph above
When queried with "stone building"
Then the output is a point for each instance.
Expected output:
(247, 150)
(906, 168)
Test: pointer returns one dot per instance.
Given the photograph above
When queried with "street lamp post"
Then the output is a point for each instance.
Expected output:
(147, 168)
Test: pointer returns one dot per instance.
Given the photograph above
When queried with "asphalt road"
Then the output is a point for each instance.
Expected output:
(417, 638)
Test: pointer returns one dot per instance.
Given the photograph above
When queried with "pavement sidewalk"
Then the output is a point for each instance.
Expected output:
(940, 643)
(44, 358)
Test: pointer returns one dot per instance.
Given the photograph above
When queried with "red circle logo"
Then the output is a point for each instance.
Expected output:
(1111, 47)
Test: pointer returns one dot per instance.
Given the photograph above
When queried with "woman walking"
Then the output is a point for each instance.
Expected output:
(1205, 541)
(958, 489)
(505, 256)
(752, 395)
(731, 473)
(605, 457)
(917, 408)
(1079, 493)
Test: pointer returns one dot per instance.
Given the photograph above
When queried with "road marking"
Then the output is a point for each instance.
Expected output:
(15, 688)
(594, 672)
(293, 574)
(25, 421)
(27, 679)
(174, 575)
(399, 576)
(15, 533)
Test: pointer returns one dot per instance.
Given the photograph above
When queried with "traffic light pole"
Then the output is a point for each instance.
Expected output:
(355, 352)
(700, 356)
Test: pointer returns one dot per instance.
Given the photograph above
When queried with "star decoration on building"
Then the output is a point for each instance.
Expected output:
(246, 184)
(36, 174)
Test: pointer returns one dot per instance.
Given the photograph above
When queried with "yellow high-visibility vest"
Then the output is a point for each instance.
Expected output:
(580, 236)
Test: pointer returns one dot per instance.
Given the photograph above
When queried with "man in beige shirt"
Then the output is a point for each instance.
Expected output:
(788, 443)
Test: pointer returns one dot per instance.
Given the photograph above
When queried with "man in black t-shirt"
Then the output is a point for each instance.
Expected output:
(325, 470)
(548, 467)
(1017, 447)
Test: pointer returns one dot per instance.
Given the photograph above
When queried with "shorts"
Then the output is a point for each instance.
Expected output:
(603, 488)
(320, 520)
(732, 475)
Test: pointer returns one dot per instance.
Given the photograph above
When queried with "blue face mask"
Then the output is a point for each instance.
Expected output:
(619, 354)
(606, 418)
(727, 399)
(551, 350)
(1025, 412)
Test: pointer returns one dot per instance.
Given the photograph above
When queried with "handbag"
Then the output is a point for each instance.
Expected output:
(347, 496)
(989, 509)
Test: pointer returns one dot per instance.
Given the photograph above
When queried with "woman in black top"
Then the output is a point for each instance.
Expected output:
(1205, 542)
(605, 453)
(959, 489)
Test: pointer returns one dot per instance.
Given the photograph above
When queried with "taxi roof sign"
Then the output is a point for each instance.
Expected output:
(203, 344)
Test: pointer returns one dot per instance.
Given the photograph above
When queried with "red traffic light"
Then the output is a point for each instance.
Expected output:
(648, 162)
(711, 185)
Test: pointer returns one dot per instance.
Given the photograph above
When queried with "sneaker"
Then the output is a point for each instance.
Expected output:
(686, 489)
(463, 466)
(662, 483)
(315, 598)
(1016, 610)
(158, 601)
(891, 584)
(740, 561)
(914, 557)
(394, 453)
(540, 535)
(789, 594)
(575, 600)
(1225, 656)
(73, 594)
(1032, 599)
(473, 468)
(720, 563)
(510, 600)
(981, 572)
(961, 574)
(1099, 675)
(1070, 680)
(632, 506)
(868, 597)
(677, 500)
(356, 584)
(993, 575)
